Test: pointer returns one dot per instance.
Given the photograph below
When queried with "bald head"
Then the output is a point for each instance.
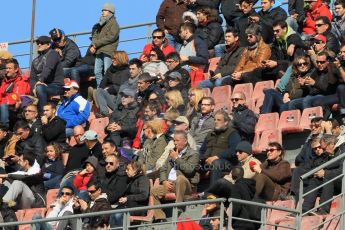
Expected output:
(78, 131)
(238, 98)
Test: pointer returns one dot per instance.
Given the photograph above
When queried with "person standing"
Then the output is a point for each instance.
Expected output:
(105, 40)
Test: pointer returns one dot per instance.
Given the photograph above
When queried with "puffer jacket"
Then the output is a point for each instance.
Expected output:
(251, 59)
(106, 37)
(319, 9)
(12, 89)
(114, 77)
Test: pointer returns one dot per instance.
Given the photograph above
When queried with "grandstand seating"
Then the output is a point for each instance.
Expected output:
(289, 121)
(51, 196)
(212, 64)
(98, 125)
(29, 214)
(207, 92)
(276, 215)
(246, 88)
(308, 222)
(258, 93)
(261, 141)
(308, 114)
(222, 96)
(267, 121)
(149, 215)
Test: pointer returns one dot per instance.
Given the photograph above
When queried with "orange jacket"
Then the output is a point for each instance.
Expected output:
(319, 9)
(12, 89)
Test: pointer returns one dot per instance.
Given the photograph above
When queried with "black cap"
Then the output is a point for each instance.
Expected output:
(56, 34)
(43, 39)
(244, 146)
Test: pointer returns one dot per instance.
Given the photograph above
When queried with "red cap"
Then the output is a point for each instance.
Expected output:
(321, 37)
(71, 84)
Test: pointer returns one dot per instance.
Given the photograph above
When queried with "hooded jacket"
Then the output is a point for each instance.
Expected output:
(80, 181)
(114, 77)
(75, 110)
(12, 89)
(319, 9)
(106, 37)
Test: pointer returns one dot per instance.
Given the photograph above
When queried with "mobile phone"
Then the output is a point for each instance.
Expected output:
(264, 62)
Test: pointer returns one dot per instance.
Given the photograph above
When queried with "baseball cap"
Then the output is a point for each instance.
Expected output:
(175, 76)
(181, 119)
(71, 84)
(320, 37)
(127, 92)
(56, 34)
(89, 135)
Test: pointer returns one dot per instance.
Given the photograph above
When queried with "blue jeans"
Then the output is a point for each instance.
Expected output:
(116, 220)
(102, 63)
(273, 99)
(43, 92)
(210, 84)
(4, 113)
(52, 183)
(172, 42)
(77, 72)
(219, 50)
(40, 226)
(303, 103)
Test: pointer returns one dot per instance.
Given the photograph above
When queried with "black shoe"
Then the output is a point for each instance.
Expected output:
(159, 221)
(322, 212)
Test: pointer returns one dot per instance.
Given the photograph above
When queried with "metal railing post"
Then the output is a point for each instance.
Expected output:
(174, 218)
(263, 218)
(221, 214)
(149, 33)
(231, 206)
(124, 220)
(32, 35)
(342, 205)
(299, 204)
(79, 224)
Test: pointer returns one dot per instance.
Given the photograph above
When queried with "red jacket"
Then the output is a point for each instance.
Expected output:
(139, 126)
(166, 48)
(80, 181)
(319, 9)
(21, 86)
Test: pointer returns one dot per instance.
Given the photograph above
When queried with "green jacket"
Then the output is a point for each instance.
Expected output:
(187, 165)
(106, 38)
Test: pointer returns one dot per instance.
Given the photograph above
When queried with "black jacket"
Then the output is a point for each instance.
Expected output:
(88, 59)
(244, 121)
(47, 68)
(230, 11)
(36, 127)
(34, 142)
(126, 117)
(52, 168)
(212, 33)
(228, 62)
(297, 6)
(77, 155)
(241, 25)
(55, 131)
(332, 41)
(137, 191)
(114, 77)
(183, 72)
(70, 54)
(143, 96)
(114, 184)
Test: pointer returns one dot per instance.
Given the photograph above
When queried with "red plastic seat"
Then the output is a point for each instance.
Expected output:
(98, 125)
(207, 92)
(333, 224)
(335, 206)
(275, 216)
(51, 196)
(267, 121)
(268, 136)
(246, 88)
(258, 92)
(289, 121)
(222, 96)
(308, 222)
(308, 114)
(213, 63)
(29, 214)
(149, 215)
(20, 214)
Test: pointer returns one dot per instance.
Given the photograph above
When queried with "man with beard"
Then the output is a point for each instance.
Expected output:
(53, 127)
(105, 40)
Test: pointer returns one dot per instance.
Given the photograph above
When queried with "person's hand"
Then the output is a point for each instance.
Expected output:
(294, 16)
(309, 81)
(211, 159)
(184, 58)
(93, 49)
(118, 127)
(291, 50)
(236, 75)
(254, 19)
(63, 200)
(123, 200)
(168, 185)
(3, 175)
(257, 168)
(270, 64)
(39, 83)
(166, 32)
(17, 105)
(337, 63)
(217, 76)
(83, 172)
(83, 204)
(320, 174)
(327, 126)
(44, 120)
(173, 154)
(59, 51)
(286, 98)
(311, 52)
(301, 80)
(111, 127)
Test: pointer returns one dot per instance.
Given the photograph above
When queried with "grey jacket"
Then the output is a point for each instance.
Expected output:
(199, 133)
(186, 165)
(106, 37)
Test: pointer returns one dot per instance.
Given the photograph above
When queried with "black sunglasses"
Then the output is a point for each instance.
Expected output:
(321, 62)
(66, 193)
(92, 191)
(158, 37)
(301, 64)
(109, 163)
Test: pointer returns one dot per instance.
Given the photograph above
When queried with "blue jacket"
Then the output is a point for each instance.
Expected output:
(75, 111)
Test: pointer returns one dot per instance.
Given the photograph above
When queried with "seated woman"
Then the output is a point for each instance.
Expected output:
(279, 101)
(114, 77)
(174, 100)
(154, 145)
(52, 168)
(193, 106)
(273, 177)
(156, 67)
(136, 194)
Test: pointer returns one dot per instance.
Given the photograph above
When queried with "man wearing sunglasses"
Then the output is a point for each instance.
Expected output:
(323, 26)
(66, 48)
(158, 40)
(46, 76)
(314, 9)
(74, 109)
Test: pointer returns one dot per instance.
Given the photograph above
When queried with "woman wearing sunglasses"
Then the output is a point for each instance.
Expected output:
(273, 176)
(155, 66)
(277, 101)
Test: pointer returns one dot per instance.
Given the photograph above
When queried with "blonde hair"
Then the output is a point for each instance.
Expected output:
(199, 94)
(175, 98)
(156, 125)
(121, 57)
(171, 114)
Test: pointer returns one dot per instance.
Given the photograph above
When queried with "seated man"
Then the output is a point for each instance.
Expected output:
(27, 188)
(32, 117)
(63, 207)
(158, 40)
(147, 86)
(65, 47)
(173, 62)
(243, 119)
(46, 76)
(109, 149)
(12, 87)
(203, 123)
(123, 118)
(218, 150)
(94, 146)
(75, 110)
(338, 23)
(8, 142)
(178, 174)
(53, 127)
(249, 67)
(324, 27)
(28, 140)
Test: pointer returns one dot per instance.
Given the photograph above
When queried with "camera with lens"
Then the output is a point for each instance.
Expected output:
(341, 60)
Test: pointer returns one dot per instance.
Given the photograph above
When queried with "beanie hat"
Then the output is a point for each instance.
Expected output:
(255, 30)
(109, 7)
(244, 146)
